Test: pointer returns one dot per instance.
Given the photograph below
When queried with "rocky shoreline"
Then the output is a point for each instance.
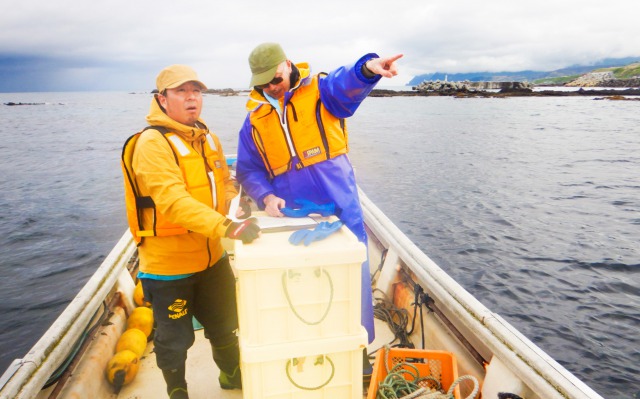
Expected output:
(511, 92)
(600, 84)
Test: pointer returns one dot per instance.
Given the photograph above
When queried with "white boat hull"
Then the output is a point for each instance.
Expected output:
(484, 344)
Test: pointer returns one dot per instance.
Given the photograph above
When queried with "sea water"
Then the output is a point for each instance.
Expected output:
(531, 204)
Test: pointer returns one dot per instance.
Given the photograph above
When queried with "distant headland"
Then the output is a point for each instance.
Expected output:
(612, 82)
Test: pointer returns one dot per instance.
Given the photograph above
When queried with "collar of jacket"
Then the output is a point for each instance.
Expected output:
(157, 117)
(256, 97)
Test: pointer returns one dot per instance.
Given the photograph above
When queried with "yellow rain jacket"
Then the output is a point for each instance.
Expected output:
(175, 176)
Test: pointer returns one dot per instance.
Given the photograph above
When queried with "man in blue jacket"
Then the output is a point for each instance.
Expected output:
(293, 144)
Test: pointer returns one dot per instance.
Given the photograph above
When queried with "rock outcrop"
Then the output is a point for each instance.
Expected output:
(12, 103)
(223, 92)
(466, 86)
(592, 79)
(634, 82)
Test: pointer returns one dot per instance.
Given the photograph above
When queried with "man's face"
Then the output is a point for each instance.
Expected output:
(184, 103)
(282, 75)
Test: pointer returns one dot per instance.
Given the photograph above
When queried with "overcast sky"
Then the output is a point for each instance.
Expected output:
(69, 45)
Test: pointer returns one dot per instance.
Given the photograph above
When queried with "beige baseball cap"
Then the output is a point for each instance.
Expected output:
(175, 75)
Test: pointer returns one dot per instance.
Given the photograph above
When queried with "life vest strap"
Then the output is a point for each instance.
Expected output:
(145, 202)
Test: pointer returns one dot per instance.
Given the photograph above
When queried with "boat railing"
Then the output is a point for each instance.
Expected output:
(26, 377)
(518, 353)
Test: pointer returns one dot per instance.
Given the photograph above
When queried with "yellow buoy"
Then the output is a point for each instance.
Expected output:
(122, 368)
(142, 319)
(134, 340)
(138, 296)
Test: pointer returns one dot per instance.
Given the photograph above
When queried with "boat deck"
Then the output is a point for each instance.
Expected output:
(150, 384)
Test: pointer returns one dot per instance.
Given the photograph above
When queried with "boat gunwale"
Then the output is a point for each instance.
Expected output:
(32, 372)
(530, 363)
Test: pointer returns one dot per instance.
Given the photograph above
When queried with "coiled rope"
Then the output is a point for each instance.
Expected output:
(396, 318)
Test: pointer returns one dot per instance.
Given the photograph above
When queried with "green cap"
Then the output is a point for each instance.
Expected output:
(264, 61)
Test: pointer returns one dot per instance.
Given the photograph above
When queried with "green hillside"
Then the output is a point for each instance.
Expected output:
(625, 72)
(555, 81)
(630, 69)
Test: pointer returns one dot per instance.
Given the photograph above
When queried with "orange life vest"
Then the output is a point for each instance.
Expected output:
(315, 134)
(196, 178)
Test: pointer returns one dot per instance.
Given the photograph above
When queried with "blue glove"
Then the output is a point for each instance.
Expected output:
(322, 231)
(307, 207)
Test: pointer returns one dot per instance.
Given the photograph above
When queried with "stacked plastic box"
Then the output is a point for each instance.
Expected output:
(299, 316)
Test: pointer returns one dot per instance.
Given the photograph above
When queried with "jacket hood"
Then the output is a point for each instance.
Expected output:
(256, 98)
(157, 117)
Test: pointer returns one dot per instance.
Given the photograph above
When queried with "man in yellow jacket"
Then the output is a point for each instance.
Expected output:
(177, 190)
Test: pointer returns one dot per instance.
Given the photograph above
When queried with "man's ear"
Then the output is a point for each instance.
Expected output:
(162, 100)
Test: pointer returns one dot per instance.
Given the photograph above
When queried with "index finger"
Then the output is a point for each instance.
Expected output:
(395, 57)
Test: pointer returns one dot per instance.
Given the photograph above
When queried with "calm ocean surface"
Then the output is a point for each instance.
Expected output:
(532, 204)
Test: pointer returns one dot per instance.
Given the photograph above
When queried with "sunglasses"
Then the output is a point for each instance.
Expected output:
(275, 81)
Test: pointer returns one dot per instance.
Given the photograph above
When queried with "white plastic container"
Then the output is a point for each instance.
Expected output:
(329, 368)
(289, 293)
